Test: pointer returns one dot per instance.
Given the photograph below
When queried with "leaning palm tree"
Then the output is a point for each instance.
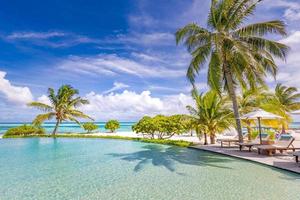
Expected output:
(284, 101)
(236, 54)
(62, 108)
(211, 114)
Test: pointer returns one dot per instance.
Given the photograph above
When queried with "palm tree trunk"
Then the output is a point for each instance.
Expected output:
(212, 139)
(205, 139)
(232, 94)
(55, 129)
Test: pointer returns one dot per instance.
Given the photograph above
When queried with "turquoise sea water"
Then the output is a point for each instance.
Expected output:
(67, 127)
(47, 168)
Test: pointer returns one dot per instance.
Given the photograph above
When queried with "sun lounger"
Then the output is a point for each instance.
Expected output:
(284, 142)
(264, 137)
(297, 154)
(234, 139)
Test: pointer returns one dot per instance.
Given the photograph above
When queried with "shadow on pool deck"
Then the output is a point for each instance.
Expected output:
(166, 157)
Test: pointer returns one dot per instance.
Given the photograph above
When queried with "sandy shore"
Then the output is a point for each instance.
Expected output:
(188, 138)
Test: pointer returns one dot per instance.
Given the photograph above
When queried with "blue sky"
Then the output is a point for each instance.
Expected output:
(120, 54)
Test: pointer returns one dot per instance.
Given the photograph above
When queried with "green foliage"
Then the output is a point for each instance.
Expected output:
(211, 113)
(254, 134)
(236, 54)
(63, 106)
(179, 143)
(283, 101)
(90, 126)
(112, 125)
(160, 126)
(24, 130)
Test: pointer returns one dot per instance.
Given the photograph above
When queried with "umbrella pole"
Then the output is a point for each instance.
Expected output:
(259, 129)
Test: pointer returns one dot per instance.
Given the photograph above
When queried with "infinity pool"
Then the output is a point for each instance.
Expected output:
(116, 169)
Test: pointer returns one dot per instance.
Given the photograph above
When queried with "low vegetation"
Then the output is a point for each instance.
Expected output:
(24, 130)
(179, 143)
(90, 126)
(112, 125)
(160, 126)
(270, 132)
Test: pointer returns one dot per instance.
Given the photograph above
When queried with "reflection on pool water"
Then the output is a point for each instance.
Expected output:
(49, 168)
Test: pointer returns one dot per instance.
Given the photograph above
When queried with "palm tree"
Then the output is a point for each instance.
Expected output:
(211, 114)
(236, 54)
(284, 100)
(249, 100)
(63, 106)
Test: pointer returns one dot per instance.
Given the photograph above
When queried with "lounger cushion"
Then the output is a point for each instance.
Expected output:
(266, 147)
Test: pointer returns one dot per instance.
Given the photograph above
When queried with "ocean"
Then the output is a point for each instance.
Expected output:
(67, 127)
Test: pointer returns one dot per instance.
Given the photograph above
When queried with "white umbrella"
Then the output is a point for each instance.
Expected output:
(297, 112)
(260, 114)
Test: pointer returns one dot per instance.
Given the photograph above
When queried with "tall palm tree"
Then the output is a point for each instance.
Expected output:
(284, 100)
(211, 113)
(63, 106)
(236, 54)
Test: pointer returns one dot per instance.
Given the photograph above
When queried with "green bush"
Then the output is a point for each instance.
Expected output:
(254, 134)
(112, 125)
(24, 130)
(90, 126)
(160, 126)
(179, 143)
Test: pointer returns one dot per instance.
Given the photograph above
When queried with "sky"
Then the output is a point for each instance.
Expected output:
(120, 54)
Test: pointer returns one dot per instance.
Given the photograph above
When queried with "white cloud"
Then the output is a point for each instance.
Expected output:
(155, 38)
(117, 86)
(111, 64)
(34, 35)
(292, 8)
(53, 39)
(44, 99)
(292, 39)
(130, 105)
(289, 71)
(14, 94)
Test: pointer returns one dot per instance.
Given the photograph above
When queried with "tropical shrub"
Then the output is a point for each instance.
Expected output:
(160, 126)
(90, 126)
(271, 133)
(112, 125)
(24, 130)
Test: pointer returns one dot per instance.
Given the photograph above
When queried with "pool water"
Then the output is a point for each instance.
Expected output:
(57, 169)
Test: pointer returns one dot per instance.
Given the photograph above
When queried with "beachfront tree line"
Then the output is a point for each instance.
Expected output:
(237, 58)
(212, 113)
(62, 106)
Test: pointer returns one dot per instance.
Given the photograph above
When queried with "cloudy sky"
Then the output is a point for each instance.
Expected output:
(120, 54)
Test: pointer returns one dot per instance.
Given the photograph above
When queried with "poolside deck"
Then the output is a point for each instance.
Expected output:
(285, 161)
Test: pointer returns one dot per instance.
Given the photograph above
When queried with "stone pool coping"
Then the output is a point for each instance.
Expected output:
(283, 161)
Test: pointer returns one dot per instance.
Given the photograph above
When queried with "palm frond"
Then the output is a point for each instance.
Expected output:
(41, 106)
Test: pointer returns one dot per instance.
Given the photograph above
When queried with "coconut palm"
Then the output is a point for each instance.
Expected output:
(284, 100)
(210, 114)
(236, 54)
(62, 106)
(249, 100)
